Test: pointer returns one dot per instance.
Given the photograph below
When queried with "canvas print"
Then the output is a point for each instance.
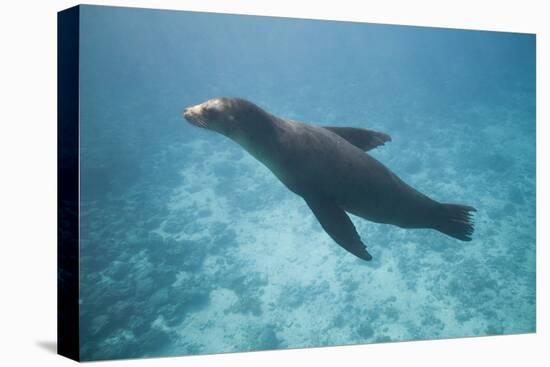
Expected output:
(233, 183)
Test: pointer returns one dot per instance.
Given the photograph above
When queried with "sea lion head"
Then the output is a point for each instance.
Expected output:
(232, 117)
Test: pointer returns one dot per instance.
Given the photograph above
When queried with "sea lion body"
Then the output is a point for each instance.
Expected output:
(330, 169)
(311, 160)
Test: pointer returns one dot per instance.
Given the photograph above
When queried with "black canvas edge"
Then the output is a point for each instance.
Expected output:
(68, 35)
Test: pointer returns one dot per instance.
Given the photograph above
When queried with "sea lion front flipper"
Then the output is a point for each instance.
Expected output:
(363, 139)
(338, 226)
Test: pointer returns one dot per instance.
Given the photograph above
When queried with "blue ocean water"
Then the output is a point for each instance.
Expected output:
(191, 246)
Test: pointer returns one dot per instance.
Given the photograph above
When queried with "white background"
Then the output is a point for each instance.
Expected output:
(28, 182)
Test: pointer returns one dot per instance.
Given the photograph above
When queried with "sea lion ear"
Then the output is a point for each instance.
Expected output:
(363, 139)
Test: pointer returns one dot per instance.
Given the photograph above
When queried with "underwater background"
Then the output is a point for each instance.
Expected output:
(190, 246)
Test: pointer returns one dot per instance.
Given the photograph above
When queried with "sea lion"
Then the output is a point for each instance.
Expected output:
(330, 169)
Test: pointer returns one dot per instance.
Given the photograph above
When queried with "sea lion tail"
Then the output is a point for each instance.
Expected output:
(455, 220)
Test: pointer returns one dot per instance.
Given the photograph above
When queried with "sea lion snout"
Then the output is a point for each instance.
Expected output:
(213, 114)
(191, 111)
(193, 115)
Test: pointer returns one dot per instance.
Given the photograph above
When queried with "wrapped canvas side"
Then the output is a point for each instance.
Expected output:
(68, 183)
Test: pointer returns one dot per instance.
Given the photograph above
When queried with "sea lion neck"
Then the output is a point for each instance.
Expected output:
(260, 135)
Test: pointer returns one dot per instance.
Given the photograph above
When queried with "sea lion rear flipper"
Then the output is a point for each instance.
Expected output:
(363, 139)
(455, 220)
(338, 226)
